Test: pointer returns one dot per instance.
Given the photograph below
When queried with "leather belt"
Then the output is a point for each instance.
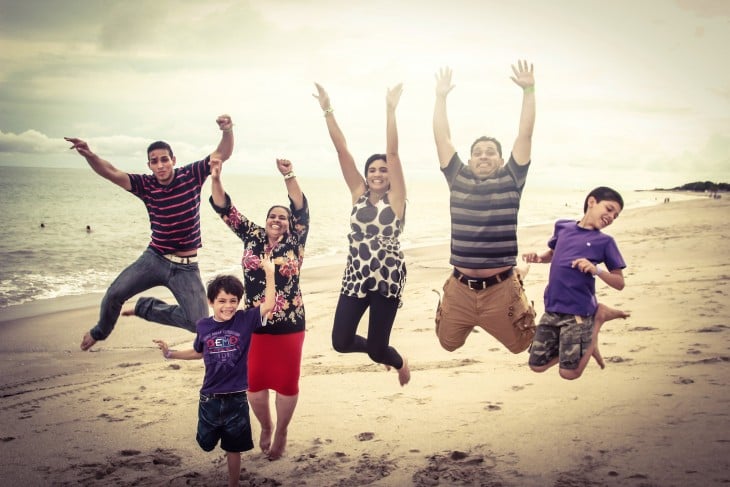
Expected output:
(484, 282)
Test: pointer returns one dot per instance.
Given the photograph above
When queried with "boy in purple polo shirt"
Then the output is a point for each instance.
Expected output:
(567, 329)
(222, 341)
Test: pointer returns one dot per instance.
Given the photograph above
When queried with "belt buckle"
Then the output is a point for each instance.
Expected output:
(473, 283)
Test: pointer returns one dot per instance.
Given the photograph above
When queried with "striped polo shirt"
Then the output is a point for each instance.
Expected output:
(484, 214)
(174, 210)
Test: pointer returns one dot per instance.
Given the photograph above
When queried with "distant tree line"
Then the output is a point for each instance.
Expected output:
(704, 186)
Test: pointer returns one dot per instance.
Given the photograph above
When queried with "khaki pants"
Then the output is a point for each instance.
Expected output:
(502, 310)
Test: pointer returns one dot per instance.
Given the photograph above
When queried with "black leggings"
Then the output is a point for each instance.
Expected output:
(382, 315)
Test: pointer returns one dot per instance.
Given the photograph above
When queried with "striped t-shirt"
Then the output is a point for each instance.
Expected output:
(174, 210)
(484, 214)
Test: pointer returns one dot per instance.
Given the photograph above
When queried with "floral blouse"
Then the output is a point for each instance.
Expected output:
(288, 255)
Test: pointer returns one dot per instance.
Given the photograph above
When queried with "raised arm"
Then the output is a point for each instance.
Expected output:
(397, 192)
(100, 166)
(225, 146)
(216, 185)
(441, 131)
(270, 291)
(353, 178)
(524, 78)
(286, 169)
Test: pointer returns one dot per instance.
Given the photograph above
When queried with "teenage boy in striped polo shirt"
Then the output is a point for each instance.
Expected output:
(172, 198)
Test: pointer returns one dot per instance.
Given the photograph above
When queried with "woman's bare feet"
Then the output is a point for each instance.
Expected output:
(265, 440)
(277, 449)
(404, 373)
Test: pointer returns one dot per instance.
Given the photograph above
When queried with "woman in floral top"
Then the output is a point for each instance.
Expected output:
(274, 359)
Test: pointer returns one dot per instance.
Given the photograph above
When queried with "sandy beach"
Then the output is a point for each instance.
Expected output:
(657, 415)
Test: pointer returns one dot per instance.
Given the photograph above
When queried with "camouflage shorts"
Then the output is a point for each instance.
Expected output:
(561, 335)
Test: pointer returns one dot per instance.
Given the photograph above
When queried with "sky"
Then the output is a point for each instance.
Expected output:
(630, 94)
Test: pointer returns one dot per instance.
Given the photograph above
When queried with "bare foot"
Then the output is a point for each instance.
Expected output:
(128, 312)
(603, 314)
(265, 440)
(277, 449)
(404, 373)
(87, 342)
(597, 356)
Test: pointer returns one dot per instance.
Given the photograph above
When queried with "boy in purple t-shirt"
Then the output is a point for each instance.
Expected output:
(222, 341)
(567, 329)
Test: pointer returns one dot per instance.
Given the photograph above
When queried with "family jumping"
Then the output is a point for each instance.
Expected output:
(251, 343)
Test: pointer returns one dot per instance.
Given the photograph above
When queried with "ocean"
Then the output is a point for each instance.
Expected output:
(47, 252)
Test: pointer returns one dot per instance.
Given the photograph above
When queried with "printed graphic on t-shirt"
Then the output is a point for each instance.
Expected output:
(223, 346)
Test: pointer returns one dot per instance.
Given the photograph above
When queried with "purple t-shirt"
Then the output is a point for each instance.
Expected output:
(569, 290)
(224, 346)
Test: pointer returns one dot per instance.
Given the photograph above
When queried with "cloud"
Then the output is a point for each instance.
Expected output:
(29, 142)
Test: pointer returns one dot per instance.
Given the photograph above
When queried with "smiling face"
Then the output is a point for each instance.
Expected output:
(485, 159)
(377, 176)
(224, 306)
(162, 165)
(277, 222)
(600, 214)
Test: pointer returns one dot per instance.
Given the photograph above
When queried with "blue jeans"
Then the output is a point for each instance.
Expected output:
(148, 271)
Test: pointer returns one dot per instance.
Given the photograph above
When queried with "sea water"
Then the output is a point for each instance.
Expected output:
(46, 250)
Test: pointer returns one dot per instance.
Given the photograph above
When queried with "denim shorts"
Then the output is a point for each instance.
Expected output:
(224, 417)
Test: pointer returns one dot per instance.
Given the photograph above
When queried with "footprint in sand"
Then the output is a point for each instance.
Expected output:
(713, 329)
(684, 380)
(617, 360)
(365, 436)
(457, 468)
(642, 328)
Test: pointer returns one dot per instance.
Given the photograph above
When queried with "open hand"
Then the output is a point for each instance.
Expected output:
(443, 82)
(523, 74)
(322, 97)
(393, 96)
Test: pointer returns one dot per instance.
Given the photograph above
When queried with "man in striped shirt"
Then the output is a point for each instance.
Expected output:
(172, 198)
(484, 290)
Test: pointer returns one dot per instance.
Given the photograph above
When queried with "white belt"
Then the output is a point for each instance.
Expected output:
(192, 259)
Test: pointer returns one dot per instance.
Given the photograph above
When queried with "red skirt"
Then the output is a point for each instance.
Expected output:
(274, 362)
